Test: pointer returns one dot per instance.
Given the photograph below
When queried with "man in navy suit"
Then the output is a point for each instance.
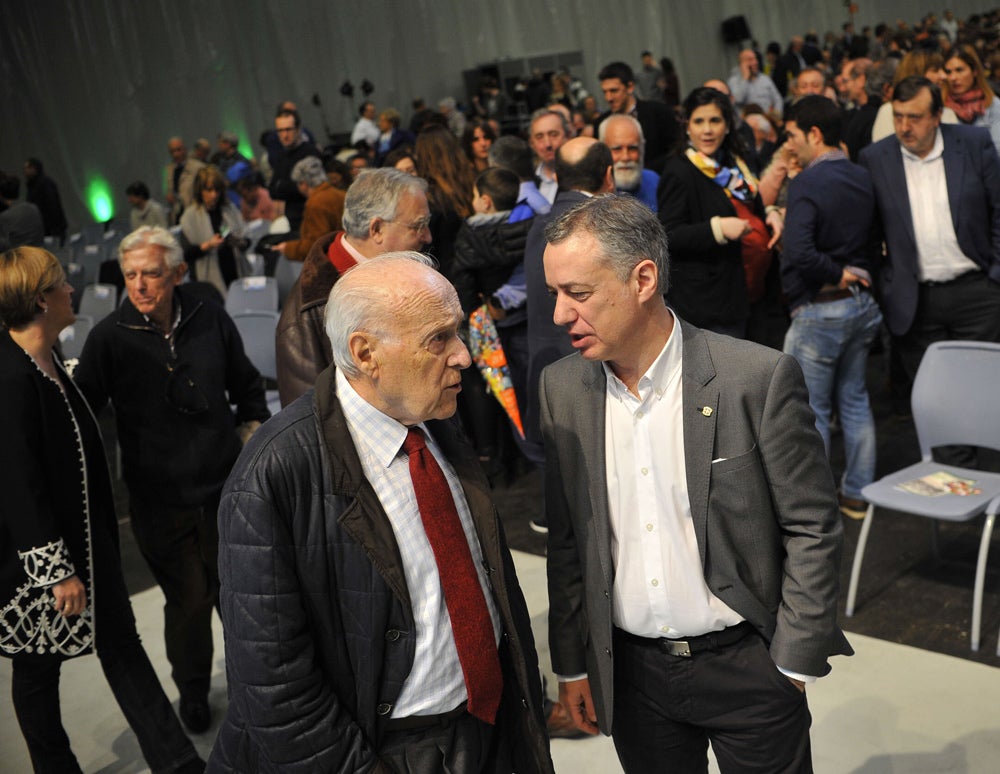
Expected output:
(937, 188)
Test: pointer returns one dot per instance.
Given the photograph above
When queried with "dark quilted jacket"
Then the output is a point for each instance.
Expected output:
(319, 630)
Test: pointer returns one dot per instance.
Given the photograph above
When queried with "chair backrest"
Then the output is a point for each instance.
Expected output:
(286, 272)
(77, 277)
(953, 397)
(93, 233)
(257, 331)
(98, 301)
(73, 336)
(255, 230)
(252, 294)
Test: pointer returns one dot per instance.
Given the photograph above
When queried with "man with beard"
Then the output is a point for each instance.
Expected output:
(623, 135)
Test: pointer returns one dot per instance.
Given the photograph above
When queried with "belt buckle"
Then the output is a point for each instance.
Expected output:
(678, 648)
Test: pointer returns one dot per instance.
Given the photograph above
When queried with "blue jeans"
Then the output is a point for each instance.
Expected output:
(830, 341)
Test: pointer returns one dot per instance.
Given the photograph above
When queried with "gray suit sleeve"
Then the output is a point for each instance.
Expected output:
(805, 506)
(565, 571)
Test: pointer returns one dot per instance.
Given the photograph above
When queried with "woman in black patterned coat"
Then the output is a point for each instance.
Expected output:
(61, 588)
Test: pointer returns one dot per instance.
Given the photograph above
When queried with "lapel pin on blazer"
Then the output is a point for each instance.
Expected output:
(706, 411)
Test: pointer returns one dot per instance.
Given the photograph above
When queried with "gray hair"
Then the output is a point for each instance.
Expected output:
(173, 256)
(309, 171)
(542, 112)
(354, 306)
(602, 130)
(376, 194)
(626, 230)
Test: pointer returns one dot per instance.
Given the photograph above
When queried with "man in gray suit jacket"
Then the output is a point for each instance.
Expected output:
(694, 537)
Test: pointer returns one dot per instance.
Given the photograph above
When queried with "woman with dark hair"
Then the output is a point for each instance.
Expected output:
(477, 141)
(62, 593)
(402, 159)
(720, 248)
(212, 232)
(670, 85)
(967, 92)
(450, 177)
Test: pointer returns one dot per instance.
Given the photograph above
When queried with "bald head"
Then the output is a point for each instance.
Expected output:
(571, 152)
(584, 164)
(397, 342)
(714, 83)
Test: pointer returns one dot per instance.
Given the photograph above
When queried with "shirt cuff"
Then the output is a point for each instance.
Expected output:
(797, 676)
(570, 678)
(716, 223)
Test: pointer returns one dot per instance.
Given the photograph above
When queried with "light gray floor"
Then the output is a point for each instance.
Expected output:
(890, 709)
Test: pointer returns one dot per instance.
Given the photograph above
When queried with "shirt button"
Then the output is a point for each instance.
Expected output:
(655, 582)
(638, 414)
(664, 629)
(644, 471)
(649, 528)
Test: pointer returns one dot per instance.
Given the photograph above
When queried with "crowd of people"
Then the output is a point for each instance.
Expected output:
(721, 263)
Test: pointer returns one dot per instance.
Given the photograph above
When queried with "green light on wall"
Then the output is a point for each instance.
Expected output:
(99, 200)
(245, 148)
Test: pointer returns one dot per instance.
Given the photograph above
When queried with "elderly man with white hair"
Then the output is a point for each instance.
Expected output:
(171, 363)
(623, 135)
(372, 612)
(385, 210)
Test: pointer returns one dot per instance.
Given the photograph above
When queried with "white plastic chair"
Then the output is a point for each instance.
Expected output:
(98, 301)
(72, 337)
(953, 403)
(252, 294)
(257, 331)
(286, 273)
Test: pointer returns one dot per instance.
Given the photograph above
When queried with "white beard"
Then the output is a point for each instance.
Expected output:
(628, 175)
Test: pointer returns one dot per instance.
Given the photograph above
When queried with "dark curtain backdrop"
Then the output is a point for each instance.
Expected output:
(94, 88)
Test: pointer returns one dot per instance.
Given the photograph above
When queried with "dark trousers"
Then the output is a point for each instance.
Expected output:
(967, 308)
(668, 708)
(181, 546)
(462, 745)
(35, 683)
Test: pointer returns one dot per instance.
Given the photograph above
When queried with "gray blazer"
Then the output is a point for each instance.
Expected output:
(765, 511)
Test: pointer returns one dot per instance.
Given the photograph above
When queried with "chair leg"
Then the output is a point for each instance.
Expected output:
(859, 553)
(977, 597)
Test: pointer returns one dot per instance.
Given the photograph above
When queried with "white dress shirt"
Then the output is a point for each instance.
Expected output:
(659, 587)
(939, 256)
(435, 684)
(367, 130)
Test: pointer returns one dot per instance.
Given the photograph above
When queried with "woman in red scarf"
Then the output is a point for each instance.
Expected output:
(968, 93)
(721, 240)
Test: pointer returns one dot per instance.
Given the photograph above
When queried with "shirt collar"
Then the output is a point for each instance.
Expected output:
(936, 150)
(831, 155)
(659, 374)
(351, 250)
(380, 437)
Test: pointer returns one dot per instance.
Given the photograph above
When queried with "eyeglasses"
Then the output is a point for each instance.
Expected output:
(416, 226)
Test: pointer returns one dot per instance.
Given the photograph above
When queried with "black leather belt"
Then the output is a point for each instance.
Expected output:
(972, 274)
(415, 722)
(689, 646)
(837, 295)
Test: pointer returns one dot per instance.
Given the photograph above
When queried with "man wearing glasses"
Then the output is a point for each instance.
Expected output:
(172, 364)
(288, 128)
(385, 211)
